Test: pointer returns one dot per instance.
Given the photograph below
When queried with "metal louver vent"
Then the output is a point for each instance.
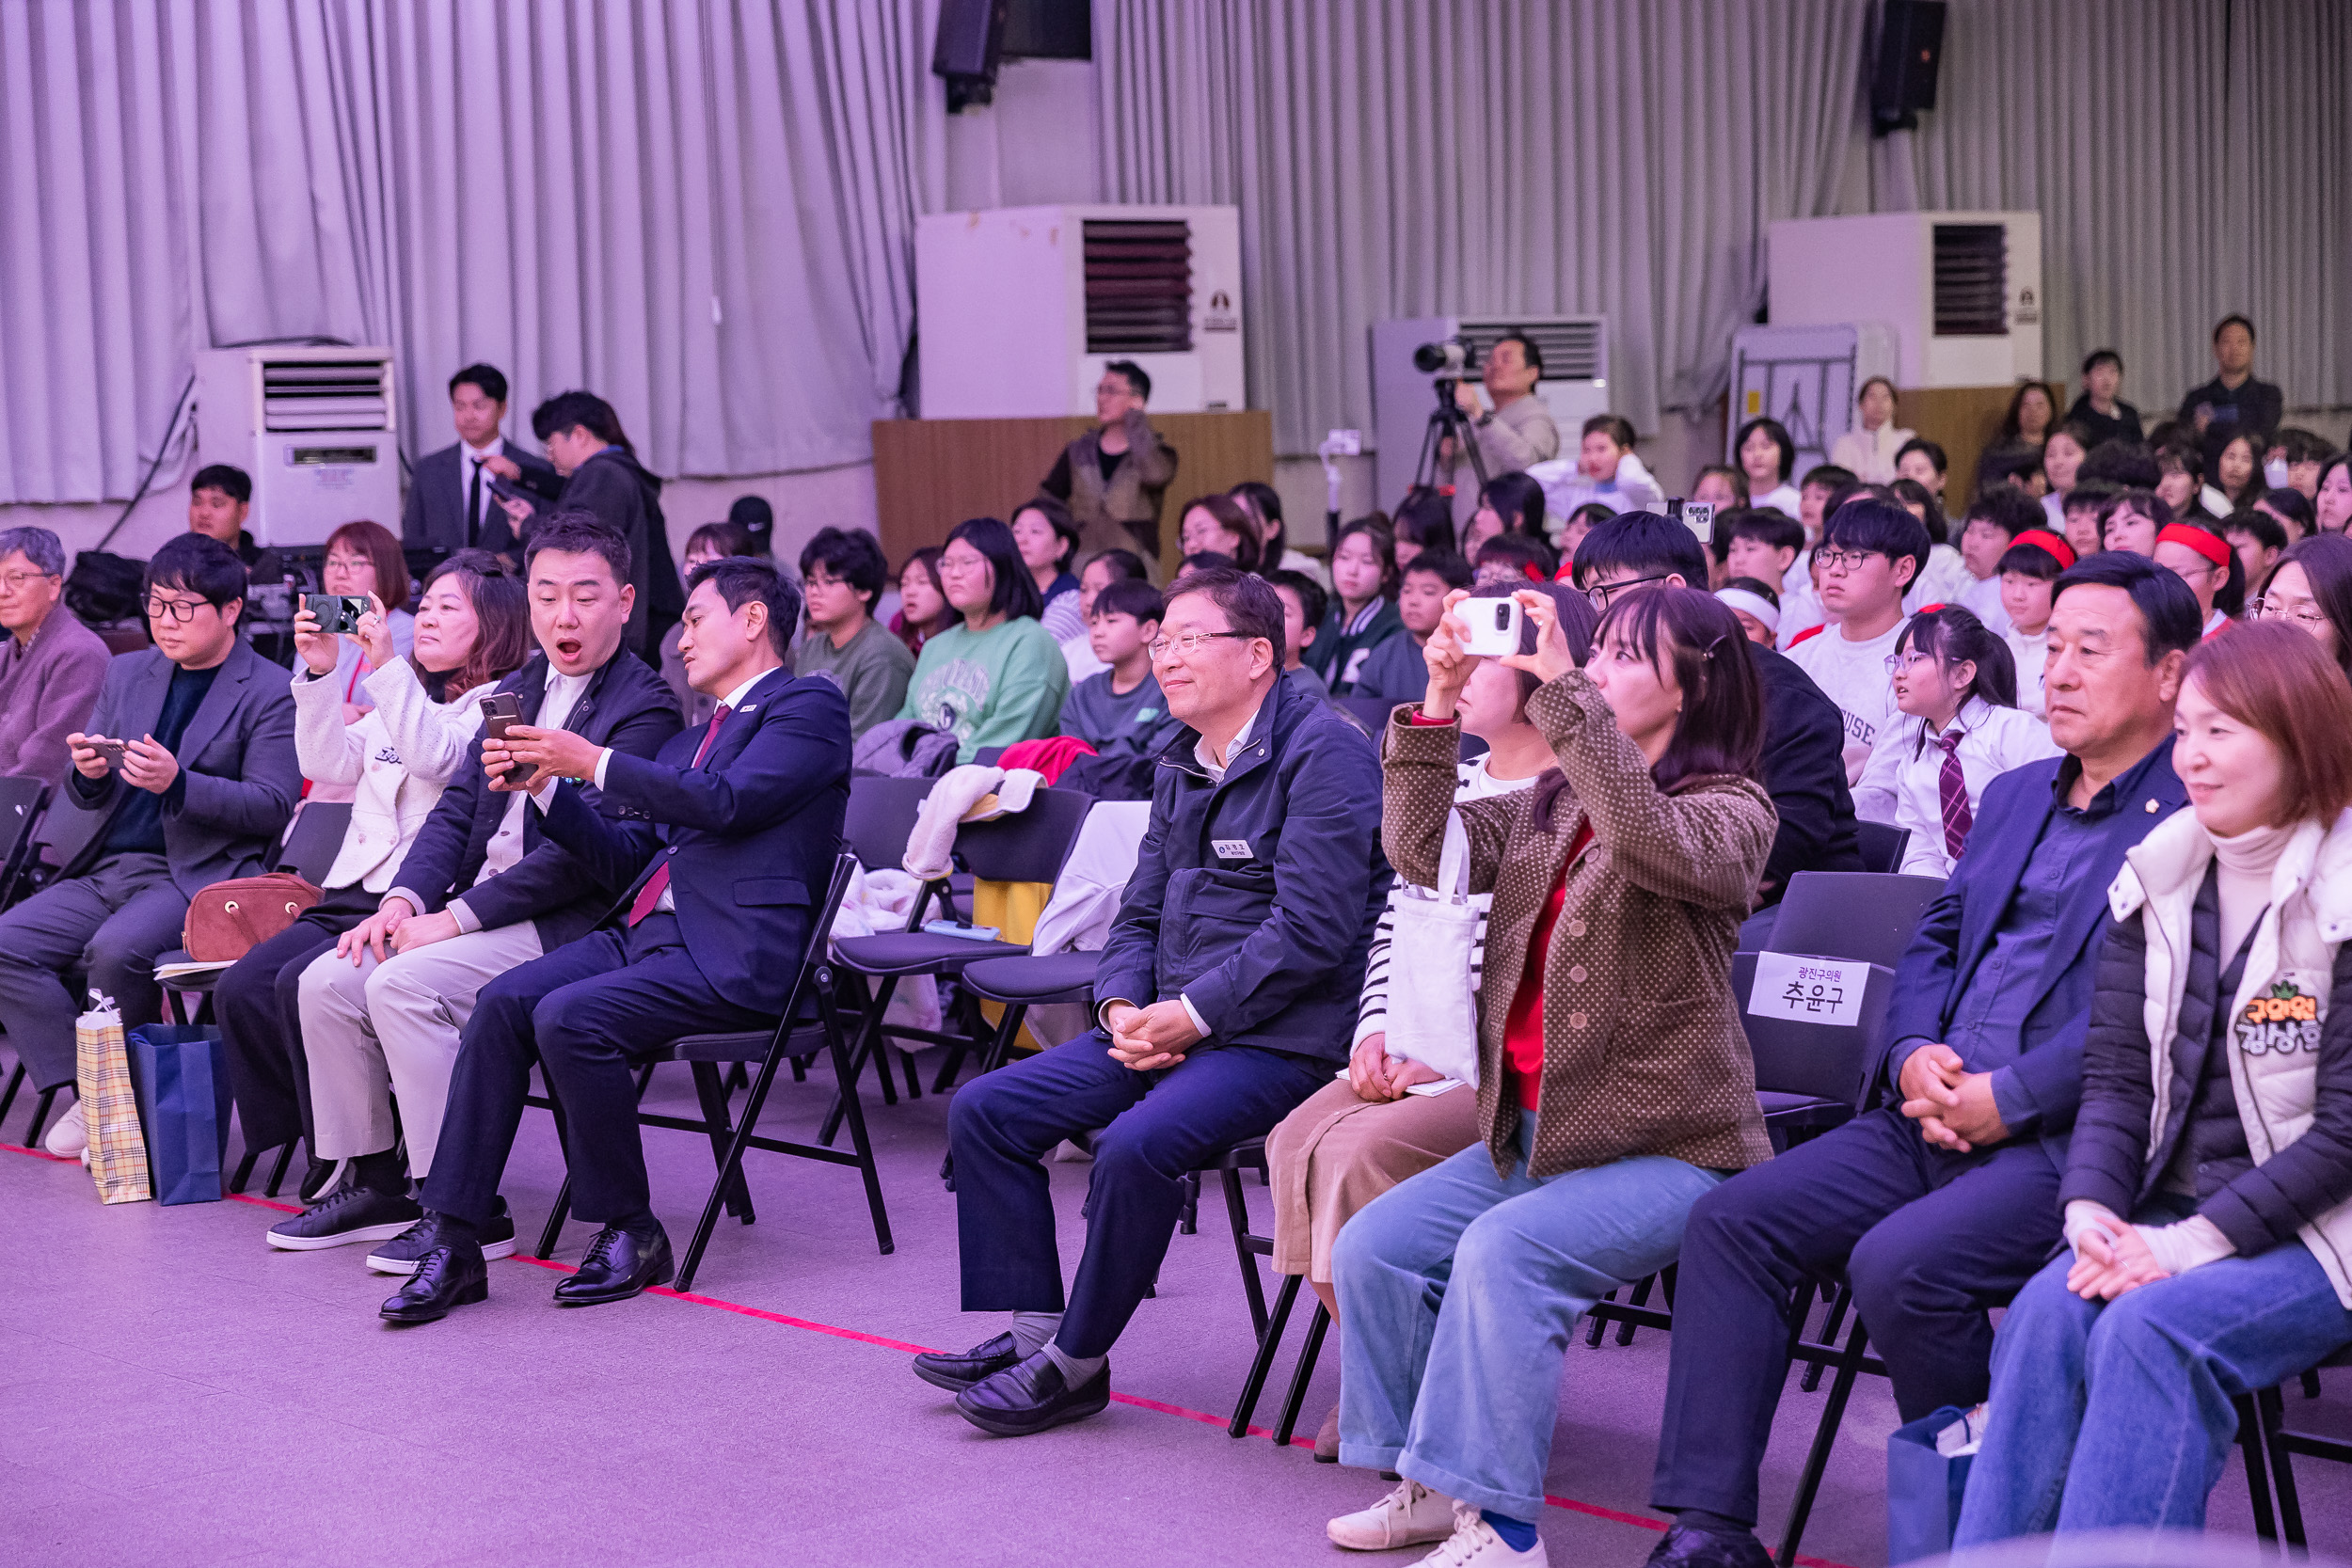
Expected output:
(1572, 350)
(1971, 281)
(1138, 285)
(324, 394)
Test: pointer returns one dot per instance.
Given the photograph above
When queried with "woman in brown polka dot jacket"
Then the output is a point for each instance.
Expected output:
(1614, 1081)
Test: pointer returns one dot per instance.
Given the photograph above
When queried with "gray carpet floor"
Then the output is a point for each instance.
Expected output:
(173, 1391)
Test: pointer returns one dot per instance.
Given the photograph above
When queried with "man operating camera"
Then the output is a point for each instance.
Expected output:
(1517, 432)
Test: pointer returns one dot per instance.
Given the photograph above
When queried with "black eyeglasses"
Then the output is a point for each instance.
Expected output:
(1599, 595)
(177, 610)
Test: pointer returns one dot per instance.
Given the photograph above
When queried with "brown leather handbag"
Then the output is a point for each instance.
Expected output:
(228, 920)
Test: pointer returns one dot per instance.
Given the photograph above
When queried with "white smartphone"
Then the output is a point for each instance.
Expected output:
(1494, 627)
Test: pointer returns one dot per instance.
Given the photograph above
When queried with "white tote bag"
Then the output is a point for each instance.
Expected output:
(1433, 1001)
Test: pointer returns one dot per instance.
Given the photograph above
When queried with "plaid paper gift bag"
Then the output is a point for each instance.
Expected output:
(101, 1075)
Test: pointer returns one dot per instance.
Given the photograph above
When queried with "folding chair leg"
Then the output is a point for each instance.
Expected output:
(1317, 1327)
(245, 1170)
(1641, 1298)
(2311, 1379)
(1599, 1325)
(277, 1171)
(1269, 1340)
(1188, 1217)
(7, 1096)
(562, 1209)
(1824, 1438)
(1237, 1212)
(1009, 1031)
(2270, 1469)
(712, 1092)
(1831, 1325)
(41, 1116)
(846, 1068)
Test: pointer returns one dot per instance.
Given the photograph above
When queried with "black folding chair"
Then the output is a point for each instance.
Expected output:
(810, 1023)
(1021, 983)
(23, 802)
(1027, 847)
(58, 840)
(307, 850)
(1852, 914)
(2264, 1414)
(1882, 846)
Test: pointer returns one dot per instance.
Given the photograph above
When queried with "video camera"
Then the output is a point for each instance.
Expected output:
(1449, 357)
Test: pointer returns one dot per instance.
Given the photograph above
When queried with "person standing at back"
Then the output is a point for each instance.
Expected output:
(451, 503)
(2233, 401)
(2103, 416)
(601, 475)
(50, 665)
(1113, 477)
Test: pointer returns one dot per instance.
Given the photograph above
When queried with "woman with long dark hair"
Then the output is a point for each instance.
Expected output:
(1265, 505)
(1510, 503)
(473, 628)
(1767, 454)
(1615, 1085)
(923, 610)
(1216, 525)
(995, 677)
(2208, 1185)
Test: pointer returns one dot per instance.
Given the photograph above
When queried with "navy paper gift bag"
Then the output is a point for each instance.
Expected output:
(181, 1075)
(1923, 1488)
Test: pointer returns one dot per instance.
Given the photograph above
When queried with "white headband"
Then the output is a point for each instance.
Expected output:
(1751, 603)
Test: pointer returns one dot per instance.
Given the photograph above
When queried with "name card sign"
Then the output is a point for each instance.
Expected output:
(1809, 991)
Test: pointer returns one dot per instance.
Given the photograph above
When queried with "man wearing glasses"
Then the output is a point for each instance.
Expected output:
(50, 665)
(1115, 475)
(1226, 994)
(189, 759)
(1870, 551)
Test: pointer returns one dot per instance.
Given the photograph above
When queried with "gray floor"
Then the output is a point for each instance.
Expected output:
(173, 1391)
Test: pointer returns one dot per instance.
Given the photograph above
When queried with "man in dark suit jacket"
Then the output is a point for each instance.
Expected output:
(1940, 1200)
(204, 786)
(726, 840)
(481, 890)
(451, 505)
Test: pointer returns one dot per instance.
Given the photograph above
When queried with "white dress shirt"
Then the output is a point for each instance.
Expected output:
(2031, 650)
(1909, 762)
(468, 459)
(507, 844)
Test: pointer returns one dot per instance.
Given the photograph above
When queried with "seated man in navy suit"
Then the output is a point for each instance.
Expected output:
(725, 843)
(1940, 1200)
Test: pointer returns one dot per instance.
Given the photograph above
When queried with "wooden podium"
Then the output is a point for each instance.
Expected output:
(931, 474)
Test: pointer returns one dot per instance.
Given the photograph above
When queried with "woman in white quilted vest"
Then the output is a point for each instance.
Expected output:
(472, 629)
(2209, 1232)
(1360, 1136)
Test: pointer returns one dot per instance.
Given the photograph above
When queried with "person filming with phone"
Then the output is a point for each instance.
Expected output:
(420, 713)
(189, 758)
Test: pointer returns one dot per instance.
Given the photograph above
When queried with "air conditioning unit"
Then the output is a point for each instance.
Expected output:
(1963, 291)
(1574, 385)
(314, 426)
(1020, 307)
(1806, 377)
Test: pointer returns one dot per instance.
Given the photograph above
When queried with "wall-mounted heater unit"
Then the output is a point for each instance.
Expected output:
(314, 426)
(1963, 291)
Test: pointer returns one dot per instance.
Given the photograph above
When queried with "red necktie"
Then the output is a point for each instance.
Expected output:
(659, 883)
(1953, 791)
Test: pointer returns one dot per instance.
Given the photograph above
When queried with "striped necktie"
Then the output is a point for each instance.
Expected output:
(1952, 790)
(656, 885)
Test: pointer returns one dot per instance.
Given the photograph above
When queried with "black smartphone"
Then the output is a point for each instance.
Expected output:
(499, 710)
(336, 613)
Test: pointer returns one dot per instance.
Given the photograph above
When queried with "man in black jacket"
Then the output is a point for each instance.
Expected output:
(1804, 736)
(602, 476)
(481, 890)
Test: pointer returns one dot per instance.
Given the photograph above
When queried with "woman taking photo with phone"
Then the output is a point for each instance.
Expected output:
(2208, 1188)
(1615, 1085)
(472, 629)
(361, 559)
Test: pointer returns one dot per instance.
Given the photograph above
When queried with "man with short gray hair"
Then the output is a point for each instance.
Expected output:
(50, 665)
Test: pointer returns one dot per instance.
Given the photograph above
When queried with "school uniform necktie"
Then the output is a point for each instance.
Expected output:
(1953, 789)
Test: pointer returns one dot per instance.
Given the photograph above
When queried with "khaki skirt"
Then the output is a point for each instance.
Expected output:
(1337, 1153)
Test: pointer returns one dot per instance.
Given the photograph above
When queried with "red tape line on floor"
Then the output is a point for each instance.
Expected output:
(1139, 1401)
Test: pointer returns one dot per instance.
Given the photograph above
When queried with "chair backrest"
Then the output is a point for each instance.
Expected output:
(1028, 845)
(315, 838)
(65, 833)
(1825, 1060)
(1852, 915)
(1369, 713)
(22, 801)
(881, 817)
(1880, 846)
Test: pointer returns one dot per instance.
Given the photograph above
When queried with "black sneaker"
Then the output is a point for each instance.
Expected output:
(400, 1254)
(345, 1215)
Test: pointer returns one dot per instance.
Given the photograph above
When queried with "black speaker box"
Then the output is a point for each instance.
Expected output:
(971, 43)
(1910, 47)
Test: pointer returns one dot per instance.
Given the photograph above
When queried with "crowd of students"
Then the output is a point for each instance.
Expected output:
(2112, 713)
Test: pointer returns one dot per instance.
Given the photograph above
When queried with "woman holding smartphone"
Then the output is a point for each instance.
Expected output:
(472, 629)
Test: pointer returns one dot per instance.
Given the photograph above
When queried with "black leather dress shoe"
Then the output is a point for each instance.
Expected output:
(1685, 1547)
(619, 1265)
(451, 1275)
(1031, 1397)
(946, 1369)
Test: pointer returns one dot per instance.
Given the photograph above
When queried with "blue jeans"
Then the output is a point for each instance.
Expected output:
(1459, 1290)
(2114, 1414)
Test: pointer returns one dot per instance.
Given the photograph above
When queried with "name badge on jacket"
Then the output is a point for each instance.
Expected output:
(1232, 848)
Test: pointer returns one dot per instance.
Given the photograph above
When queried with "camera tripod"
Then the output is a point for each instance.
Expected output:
(1448, 420)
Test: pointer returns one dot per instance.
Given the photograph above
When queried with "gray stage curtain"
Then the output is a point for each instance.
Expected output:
(1407, 157)
(702, 209)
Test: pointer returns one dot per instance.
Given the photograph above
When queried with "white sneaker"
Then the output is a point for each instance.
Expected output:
(1476, 1544)
(1412, 1515)
(70, 1136)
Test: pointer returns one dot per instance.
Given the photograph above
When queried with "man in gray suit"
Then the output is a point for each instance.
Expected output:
(189, 761)
(450, 504)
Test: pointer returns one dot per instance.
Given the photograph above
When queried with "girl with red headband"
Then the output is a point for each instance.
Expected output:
(2029, 572)
(2212, 570)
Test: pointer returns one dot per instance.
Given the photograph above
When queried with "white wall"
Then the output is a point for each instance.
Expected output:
(1033, 146)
